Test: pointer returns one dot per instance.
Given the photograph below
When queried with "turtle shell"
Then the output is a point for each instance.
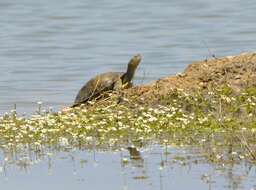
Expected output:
(98, 85)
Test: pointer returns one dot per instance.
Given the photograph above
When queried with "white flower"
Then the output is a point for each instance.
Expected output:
(44, 131)
(151, 119)
(63, 141)
(39, 102)
(125, 160)
(120, 124)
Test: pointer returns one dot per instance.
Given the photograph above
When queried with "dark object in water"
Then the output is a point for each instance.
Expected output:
(134, 153)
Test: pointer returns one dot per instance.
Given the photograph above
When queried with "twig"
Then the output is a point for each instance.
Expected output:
(209, 51)
(246, 145)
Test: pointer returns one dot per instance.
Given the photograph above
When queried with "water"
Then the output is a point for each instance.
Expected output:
(157, 168)
(49, 49)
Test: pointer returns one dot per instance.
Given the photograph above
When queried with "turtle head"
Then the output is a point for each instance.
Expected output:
(134, 62)
(132, 66)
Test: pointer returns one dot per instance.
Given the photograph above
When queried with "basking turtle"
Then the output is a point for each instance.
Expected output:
(107, 81)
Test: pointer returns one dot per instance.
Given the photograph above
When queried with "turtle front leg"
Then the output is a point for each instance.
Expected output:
(127, 85)
(118, 85)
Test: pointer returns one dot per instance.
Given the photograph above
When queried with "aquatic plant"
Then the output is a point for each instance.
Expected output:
(220, 122)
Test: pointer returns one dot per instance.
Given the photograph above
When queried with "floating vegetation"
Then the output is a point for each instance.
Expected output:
(221, 125)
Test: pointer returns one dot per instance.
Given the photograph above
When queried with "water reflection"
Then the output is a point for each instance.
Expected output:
(134, 153)
(152, 166)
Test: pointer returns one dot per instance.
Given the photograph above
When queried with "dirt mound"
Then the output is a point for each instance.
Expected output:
(238, 72)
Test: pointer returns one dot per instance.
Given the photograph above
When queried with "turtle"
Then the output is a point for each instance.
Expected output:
(110, 81)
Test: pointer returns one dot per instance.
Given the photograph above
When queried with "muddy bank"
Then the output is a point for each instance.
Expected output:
(238, 72)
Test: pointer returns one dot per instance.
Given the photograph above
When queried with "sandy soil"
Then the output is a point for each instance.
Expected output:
(238, 72)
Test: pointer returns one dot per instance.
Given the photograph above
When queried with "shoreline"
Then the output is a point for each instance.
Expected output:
(216, 117)
(238, 72)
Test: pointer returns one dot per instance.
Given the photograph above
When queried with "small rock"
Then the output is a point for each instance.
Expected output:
(180, 74)
(237, 77)
(230, 57)
(202, 84)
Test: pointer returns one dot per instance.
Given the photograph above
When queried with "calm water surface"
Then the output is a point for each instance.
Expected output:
(157, 168)
(49, 49)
